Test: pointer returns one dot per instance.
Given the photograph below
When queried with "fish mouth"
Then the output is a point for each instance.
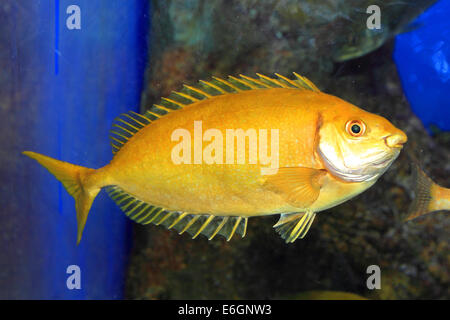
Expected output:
(396, 141)
(396, 147)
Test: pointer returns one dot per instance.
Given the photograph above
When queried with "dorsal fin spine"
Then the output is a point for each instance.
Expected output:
(270, 80)
(126, 130)
(209, 84)
(158, 106)
(242, 82)
(116, 148)
(120, 135)
(142, 117)
(153, 114)
(186, 96)
(135, 120)
(118, 141)
(288, 80)
(128, 124)
(254, 80)
(248, 81)
(198, 91)
(177, 103)
(311, 85)
(227, 83)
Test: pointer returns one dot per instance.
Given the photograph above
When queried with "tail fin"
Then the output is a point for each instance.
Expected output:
(430, 197)
(78, 182)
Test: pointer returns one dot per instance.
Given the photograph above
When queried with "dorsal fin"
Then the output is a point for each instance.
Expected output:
(127, 124)
(194, 224)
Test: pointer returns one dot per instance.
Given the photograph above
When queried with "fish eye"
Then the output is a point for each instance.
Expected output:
(355, 128)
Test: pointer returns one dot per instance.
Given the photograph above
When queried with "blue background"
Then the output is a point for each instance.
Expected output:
(422, 57)
(71, 84)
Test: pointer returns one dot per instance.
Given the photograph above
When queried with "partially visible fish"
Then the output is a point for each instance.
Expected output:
(325, 295)
(396, 18)
(429, 196)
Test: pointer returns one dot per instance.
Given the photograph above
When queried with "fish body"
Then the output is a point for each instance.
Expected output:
(183, 165)
(144, 166)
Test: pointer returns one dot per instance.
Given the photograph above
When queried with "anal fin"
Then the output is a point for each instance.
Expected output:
(194, 224)
(208, 225)
(294, 225)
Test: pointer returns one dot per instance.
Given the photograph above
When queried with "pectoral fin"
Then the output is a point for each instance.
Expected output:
(299, 186)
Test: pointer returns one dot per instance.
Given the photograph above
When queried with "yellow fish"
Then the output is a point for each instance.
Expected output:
(186, 163)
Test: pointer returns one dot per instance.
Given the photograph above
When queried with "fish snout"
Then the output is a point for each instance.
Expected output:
(396, 140)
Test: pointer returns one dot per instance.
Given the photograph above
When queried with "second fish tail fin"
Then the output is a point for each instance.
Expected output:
(80, 182)
(429, 196)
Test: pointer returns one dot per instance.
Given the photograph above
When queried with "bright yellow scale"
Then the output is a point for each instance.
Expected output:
(175, 165)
